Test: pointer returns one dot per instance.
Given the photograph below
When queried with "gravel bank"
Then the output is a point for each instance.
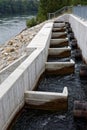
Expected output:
(16, 47)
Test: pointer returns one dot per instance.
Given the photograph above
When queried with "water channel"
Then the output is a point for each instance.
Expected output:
(30, 119)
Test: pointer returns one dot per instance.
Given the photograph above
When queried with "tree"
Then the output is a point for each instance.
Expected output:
(47, 6)
(18, 6)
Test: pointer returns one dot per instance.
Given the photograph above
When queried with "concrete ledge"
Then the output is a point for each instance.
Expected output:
(43, 36)
(59, 42)
(79, 28)
(9, 69)
(56, 25)
(60, 68)
(59, 52)
(59, 34)
(47, 100)
(60, 29)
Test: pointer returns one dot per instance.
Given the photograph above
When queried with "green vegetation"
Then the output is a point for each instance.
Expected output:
(47, 6)
(43, 7)
(11, 7)
(31, 22)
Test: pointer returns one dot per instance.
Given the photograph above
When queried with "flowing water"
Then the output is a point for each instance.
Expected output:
(11, 26)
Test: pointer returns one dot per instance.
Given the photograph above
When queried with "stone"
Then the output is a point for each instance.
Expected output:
(10, 49)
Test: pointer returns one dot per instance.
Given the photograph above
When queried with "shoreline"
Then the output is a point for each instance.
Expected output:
(16, 46)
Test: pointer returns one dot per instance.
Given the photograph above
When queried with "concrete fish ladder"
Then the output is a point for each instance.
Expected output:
(47, 100)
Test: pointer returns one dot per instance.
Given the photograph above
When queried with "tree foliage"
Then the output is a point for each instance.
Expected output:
(47, 6)
(17, 6)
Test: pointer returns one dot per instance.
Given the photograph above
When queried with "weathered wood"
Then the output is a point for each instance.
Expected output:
(47, 100)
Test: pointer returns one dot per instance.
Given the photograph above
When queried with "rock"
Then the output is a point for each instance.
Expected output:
(1, 49)
(6, 54)
(10, 42)
(10, 49)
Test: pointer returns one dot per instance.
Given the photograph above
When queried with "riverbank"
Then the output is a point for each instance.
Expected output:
(16, 47)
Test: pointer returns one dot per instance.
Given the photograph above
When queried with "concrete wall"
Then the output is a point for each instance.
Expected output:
(24, 77)
(79, 27)
(9, 69)
(80, 30)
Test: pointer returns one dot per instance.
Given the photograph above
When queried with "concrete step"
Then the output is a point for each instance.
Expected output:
(60, 68)
(59, 34)
(62, 29)
(55, 25)
(59, 52)
(59, 42)
(47, 100)
(57, 21)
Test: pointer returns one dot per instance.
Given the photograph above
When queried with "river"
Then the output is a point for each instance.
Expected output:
(11, 26)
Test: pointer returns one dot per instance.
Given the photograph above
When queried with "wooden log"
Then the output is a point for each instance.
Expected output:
(80, 109)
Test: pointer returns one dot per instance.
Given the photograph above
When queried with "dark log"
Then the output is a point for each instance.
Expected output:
(80, 109)
(83, 71)
(78, 55)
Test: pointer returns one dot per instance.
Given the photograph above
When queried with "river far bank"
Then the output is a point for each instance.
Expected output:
(16, 47)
